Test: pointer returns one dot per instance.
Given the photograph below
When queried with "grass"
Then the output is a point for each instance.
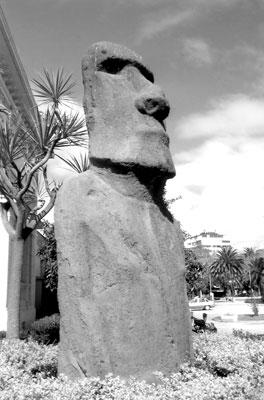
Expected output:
(243, 317)
(250, 317)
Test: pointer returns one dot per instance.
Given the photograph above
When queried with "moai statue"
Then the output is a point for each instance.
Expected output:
(122, 293)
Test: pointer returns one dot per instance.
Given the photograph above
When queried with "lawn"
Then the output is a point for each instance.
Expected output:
(250, 317)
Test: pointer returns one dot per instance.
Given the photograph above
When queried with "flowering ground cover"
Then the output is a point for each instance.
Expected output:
(225, 367)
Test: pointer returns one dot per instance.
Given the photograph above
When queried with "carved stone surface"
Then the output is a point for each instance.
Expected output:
(121, 288)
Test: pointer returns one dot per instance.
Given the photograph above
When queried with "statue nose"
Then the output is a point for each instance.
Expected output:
(156, 106)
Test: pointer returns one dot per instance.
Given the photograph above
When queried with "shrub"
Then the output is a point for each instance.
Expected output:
(28, 357)
(239, 360)
(46, 330)
(247, 335)
(2, 334)
(254, 305)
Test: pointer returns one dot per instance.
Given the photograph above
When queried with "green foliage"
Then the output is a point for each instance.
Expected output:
(249, 255)
(19, 359)
(46, 330)
(254, 306)
(257, 273)
(247, 335)
(77, 165)
(54, 89)
(197, 261)
(2, 335)
(48, 255)
(195, 272)
(26, 144)
(228, 267)
(224, 367)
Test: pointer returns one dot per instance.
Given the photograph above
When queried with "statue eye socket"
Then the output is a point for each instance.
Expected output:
(115, 65)
(112, 66)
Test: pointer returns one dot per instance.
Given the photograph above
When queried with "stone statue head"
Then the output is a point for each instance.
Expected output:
(125, 111)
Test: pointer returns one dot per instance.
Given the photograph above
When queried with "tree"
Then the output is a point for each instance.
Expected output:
(249, 252)
(25, 149)
(249, 255)
(197, 262)
(257, 273)
(227, 268)
(48, 254)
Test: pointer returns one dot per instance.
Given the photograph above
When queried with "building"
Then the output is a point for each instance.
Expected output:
(15, 91)
(208, 240)
(16, 95)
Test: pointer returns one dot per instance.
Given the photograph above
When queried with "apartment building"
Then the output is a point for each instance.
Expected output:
(209, 240)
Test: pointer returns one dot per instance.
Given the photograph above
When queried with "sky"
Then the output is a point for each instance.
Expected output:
(208, 57)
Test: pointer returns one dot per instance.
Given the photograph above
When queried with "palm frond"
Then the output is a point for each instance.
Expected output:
(64, 129)
(257, 269)
(73, 131)
(54, 88)
(228, 263)
(76, 164)
(36, 193)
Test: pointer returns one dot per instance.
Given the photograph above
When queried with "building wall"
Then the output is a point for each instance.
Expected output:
(3, 280)
(209, 240)
(31, 263)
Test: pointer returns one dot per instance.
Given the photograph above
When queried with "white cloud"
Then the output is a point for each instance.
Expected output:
(183, 11)
(220, 180)
(197, 51)
(236, 116)
(153, 26)
(246, 61)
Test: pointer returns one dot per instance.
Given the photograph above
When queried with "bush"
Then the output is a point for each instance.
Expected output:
(254, 299)
(225, 367)
(46, 330)
(30, 358)
(247, 335)
(2, 334)
(254, 305)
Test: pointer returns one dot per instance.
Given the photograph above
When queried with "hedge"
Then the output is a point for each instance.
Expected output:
(225, 367)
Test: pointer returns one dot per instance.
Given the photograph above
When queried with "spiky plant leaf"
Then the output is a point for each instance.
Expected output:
(37, 192)
(54, 88)
(77, 164)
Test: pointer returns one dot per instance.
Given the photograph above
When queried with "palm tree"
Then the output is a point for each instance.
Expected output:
(25, 149)
(257, 273)
(249, 254)
(228, 267)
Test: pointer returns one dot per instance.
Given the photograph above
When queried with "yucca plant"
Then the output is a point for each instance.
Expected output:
(25, 149)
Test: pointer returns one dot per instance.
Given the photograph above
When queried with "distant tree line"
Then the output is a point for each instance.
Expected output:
(227, 269)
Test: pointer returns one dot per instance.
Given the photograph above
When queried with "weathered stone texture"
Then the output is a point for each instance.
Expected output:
(122, 293)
